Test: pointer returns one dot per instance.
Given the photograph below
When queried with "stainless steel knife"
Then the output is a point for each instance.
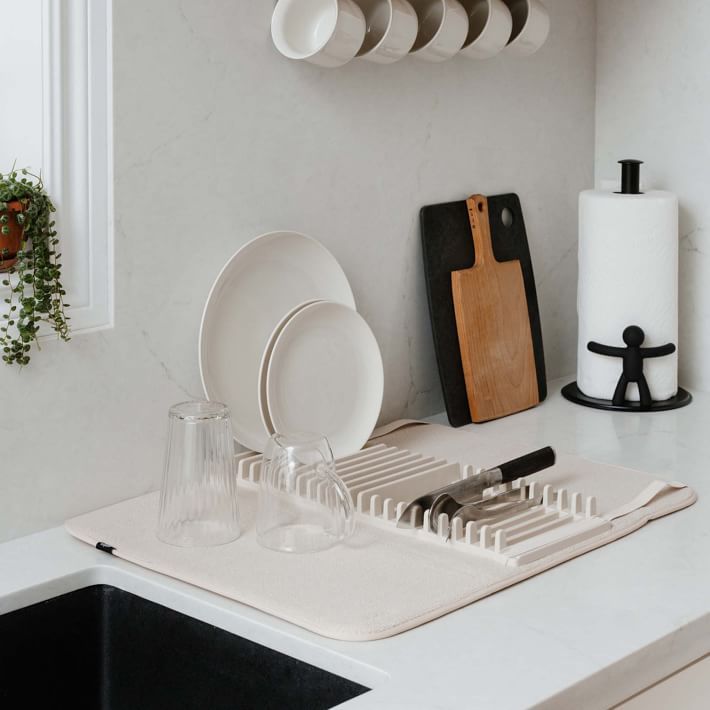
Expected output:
(452, 497)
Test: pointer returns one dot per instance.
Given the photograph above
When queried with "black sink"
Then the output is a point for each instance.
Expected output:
(101, 647)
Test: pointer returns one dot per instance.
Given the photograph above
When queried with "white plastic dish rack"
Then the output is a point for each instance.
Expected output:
(383, 479)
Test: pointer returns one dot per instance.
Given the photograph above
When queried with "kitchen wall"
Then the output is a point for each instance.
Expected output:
(653, 103)
(218, 139)
(24, 125)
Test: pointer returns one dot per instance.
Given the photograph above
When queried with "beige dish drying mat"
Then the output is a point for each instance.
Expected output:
(382, 581)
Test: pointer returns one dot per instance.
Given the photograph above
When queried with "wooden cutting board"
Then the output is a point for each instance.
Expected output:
(447, 246)
(493, 324)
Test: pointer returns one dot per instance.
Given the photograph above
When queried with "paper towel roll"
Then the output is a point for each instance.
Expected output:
(628, 275)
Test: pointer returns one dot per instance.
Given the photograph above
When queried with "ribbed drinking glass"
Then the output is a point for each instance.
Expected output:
(198, 500)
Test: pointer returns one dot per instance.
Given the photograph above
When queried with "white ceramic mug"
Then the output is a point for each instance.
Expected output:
(490, 25)
(443, 27)
(531, 25)
(392, 27)
(328, 33)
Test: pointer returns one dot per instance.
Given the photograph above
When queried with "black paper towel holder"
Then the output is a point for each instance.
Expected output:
(630, 185)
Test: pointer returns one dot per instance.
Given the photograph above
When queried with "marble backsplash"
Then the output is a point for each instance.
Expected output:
(665, 123)
(217, 139)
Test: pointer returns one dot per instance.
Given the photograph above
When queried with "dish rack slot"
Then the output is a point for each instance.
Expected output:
(383, 479)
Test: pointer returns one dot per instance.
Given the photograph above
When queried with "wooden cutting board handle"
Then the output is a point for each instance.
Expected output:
(493, 326)
(481, 230)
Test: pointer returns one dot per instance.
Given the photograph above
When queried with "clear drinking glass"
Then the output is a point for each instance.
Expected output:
(303, 505)
(198, 501)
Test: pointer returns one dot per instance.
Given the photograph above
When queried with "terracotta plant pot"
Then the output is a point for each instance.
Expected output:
(10, 243)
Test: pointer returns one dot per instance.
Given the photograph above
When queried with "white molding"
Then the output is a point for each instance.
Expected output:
(77, 152)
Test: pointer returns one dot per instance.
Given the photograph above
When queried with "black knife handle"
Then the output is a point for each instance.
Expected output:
(527, 464)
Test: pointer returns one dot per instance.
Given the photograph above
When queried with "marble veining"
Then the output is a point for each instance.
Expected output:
(691, 241)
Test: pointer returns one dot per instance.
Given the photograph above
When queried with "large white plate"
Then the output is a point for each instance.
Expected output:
(325, 375)
(262, 282)
(264, 365)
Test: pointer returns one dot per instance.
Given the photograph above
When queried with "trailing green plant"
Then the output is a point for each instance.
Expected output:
(36, 291)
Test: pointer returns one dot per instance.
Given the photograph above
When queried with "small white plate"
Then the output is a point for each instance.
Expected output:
(325, 375)
(263, 367)
(265, 279)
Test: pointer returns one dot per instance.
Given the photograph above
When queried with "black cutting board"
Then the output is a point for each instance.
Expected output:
(447, 246)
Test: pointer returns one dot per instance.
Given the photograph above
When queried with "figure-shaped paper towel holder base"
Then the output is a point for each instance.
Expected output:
(633, 357)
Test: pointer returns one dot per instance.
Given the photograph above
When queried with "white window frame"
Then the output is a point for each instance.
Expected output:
(77, 152)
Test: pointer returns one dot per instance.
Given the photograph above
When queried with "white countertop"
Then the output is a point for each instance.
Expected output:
(586, 634)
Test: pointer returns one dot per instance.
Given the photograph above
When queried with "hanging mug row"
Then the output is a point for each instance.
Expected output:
(332, 32)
